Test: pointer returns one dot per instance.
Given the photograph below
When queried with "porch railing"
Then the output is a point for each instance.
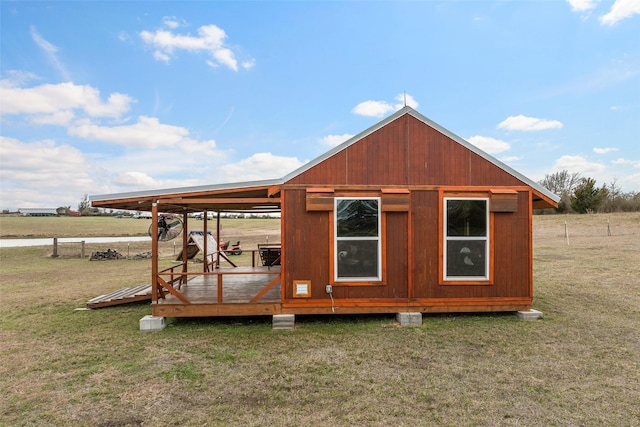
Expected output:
(171, 279)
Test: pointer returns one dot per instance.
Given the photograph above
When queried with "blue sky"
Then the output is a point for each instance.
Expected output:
(106, 97)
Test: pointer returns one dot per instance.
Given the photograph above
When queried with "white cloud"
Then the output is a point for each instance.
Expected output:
(52, 99)
(582, 5)
(632, 163)
(621, 9)
(260, 166)
(43, 162)
(210, 39)
(248, 64)
(381, 108)
(49, 174)
(508, 159)
(147, 133)
(58, 118)
(489, 145)
(524, 123)
(632, 181)
(17, 78)
(405, 98)
(372, 108)
(134, 179)
(42, 173)
(50, 51)
(170, 22)
(41, 42)
(161, 56)
(578, 164)
(604, 150)
(335, 140)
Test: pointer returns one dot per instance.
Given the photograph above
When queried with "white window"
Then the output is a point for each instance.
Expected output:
(466, 239)
(358, 248)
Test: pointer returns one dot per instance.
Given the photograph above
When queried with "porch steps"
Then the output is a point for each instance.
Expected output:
(121, 296)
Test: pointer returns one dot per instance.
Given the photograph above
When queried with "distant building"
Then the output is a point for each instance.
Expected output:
(142, 215)
(38, 211)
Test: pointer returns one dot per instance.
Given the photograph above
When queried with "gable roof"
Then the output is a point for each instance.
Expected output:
(141, 200)
(542, 193)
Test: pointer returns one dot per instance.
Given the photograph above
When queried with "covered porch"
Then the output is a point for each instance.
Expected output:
(215, 287)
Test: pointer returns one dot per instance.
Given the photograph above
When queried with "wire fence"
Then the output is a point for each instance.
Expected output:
(96, 251)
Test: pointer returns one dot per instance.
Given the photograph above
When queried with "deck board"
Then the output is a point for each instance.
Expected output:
(238, 286)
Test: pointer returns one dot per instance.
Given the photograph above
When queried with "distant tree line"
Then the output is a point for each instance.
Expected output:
(581, 195)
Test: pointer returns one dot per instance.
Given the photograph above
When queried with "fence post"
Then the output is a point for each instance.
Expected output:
(566, 232)
(608, 228)
(55, 247)
(82, 249)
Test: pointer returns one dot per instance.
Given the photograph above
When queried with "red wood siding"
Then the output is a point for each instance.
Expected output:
(511, 243)
(406, 153)
(308, 251)
(306, 243)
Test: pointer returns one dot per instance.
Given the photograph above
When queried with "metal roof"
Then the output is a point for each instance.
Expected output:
(182, 190)
(253, 190)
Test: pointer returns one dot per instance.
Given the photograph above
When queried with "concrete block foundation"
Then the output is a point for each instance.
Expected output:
(409, 319)
(151, 323)
(283, 322)
(529, 315)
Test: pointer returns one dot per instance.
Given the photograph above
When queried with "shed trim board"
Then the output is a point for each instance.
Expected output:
(412, 242)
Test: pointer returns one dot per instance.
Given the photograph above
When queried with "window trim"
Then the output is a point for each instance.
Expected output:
(488, 278)
(356, 281)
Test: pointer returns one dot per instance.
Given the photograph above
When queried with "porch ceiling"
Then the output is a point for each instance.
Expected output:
(253, 199)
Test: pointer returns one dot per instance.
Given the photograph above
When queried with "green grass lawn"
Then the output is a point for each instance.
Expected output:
(579, 365)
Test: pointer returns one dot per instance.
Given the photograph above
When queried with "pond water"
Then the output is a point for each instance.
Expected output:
(13, 243)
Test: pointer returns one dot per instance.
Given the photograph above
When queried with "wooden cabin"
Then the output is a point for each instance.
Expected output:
(405, 217)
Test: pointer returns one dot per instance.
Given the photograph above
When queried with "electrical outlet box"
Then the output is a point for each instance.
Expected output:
(329, 289)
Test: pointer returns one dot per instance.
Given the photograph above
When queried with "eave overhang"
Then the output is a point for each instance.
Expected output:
(257, 196)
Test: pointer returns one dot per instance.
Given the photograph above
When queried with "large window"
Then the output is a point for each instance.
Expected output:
(466, 239)
(358, 245)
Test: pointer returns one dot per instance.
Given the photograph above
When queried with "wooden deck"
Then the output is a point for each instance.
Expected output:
(244, 291)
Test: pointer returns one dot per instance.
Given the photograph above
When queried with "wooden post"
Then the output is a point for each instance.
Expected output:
(218, 240)
(154, 252)
(205, 267)
(55, 247)
(566, 232)
(608, 228)
(185, 240)
(82, 249)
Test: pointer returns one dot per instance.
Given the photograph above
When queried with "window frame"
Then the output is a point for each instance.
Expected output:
(365, 280)
(487, 279)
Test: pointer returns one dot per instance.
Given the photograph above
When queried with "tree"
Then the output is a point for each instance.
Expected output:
(586, 197)
(84, 204)
(562, 184)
